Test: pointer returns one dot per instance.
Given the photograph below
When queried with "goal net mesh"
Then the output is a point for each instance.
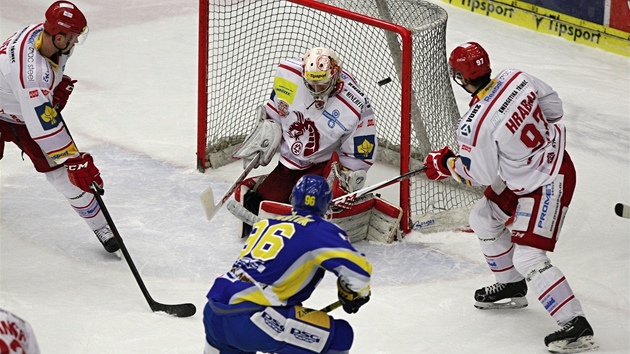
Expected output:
(247, 39)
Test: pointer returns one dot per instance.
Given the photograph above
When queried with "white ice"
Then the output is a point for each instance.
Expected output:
(134, 109)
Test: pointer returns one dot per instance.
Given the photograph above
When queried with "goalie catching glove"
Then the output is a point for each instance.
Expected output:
(350, 300)
(82, 172)
(264, 140)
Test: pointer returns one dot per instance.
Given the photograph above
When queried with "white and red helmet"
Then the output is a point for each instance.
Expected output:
(64, 17)
(321, 68)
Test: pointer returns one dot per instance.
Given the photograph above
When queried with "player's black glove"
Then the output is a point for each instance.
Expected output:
(350, 300)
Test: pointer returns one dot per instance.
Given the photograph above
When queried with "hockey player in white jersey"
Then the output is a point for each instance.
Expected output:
(323, 123)
(16, 335)
(510, 140)
(33, 92)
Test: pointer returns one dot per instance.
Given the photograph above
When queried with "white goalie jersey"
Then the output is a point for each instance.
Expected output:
(309, 136)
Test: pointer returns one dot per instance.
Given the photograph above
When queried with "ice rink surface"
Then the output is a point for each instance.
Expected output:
(134, 109)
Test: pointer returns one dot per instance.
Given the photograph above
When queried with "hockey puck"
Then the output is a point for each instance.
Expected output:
(385, 81)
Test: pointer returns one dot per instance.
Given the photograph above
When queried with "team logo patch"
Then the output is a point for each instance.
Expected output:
(364, 147)
(48, 116)
(283, 108)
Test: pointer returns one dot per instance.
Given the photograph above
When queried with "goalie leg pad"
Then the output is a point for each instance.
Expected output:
(372, 219)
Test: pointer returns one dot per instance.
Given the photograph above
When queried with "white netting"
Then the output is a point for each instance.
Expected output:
(247, 39)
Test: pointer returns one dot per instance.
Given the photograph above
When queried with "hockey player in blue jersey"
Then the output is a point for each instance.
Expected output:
(257, 305)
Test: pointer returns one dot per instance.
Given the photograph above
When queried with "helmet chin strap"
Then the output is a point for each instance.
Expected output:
(60, 49)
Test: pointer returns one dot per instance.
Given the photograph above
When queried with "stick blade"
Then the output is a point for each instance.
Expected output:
(181, 310)
(207, 201)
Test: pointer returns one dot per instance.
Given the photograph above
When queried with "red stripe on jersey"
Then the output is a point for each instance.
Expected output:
(270, 106)
(291, 69)
(341, 98)
(485, 113)
(57, 151)
(59, 129)
(365, 162)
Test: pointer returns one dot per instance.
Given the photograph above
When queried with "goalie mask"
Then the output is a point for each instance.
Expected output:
(321, 69)
(311, 193)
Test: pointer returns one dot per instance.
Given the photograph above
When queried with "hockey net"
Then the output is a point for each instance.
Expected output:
(394, 48)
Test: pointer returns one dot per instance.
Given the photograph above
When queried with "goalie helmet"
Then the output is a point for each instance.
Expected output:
(65, 17)
(311, 193)
(468, 62)
(321, 68)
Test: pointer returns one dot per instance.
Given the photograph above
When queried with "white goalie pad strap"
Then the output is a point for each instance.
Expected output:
(265, 140)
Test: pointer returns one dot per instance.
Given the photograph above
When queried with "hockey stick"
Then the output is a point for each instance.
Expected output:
(361, 192)
(207, 196)
(246, 216)
(180, 310)
(622, 210)
(326, 309)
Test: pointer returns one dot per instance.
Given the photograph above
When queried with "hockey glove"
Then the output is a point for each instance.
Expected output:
(350, 300)
(83, 173)
(62, 92)
(436, 164)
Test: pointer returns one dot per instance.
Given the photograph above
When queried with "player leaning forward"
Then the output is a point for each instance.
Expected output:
(33, 91)
(510, 140)
(257, 305)
(323, 122)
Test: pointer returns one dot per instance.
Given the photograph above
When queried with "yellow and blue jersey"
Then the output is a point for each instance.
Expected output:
(284, 259)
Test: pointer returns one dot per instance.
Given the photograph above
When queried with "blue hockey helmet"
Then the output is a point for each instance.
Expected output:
(311, 193)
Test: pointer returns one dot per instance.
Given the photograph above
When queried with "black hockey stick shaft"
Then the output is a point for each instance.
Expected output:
(179, 310)
(372, 188)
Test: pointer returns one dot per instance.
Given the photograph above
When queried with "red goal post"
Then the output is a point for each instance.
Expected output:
(394, 48)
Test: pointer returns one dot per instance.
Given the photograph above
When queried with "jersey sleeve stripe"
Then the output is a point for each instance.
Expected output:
(488, 109)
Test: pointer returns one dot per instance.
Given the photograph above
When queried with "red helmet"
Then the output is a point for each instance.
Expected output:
(469, 61)
(64, 17)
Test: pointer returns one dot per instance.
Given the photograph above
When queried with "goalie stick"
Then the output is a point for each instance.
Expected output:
(207, 196)
(179, 310)
(246, 216)
(622, 210)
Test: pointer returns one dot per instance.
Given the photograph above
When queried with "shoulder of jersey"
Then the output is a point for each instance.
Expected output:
(352, 93)
(291, 67)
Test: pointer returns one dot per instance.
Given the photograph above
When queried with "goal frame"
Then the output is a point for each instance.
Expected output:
(406, 89)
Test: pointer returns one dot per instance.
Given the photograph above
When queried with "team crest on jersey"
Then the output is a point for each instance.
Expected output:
(364, 147)
(305, 135)
(283, 108)
(48, 116)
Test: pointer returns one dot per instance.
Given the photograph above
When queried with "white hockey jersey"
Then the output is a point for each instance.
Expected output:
(16, 335)
(309, 136)
(27, 81)
(510, 131)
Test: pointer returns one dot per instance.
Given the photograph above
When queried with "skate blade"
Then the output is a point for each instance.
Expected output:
(511, 304)
(582, 344)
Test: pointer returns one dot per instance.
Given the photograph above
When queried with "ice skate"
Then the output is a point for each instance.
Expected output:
(575, 337)
(105, 235)
(502, 296)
